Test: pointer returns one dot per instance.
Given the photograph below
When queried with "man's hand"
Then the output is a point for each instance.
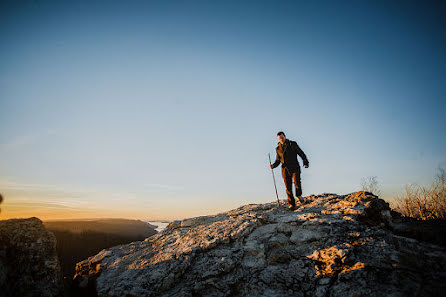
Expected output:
(306, 166)
(271, 166)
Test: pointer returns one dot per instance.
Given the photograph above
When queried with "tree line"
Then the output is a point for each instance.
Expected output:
(73, 247)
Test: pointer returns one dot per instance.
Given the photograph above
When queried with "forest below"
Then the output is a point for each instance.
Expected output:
(79, 239)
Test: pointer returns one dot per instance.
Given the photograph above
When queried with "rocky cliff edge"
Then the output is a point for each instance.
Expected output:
(28, 260)
(333, 245)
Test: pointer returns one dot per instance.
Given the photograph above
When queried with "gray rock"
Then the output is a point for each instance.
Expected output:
(333, 245)
(28, 260)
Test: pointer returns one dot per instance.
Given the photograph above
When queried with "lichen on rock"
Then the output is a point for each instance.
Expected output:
(333, 245)
(28, 260)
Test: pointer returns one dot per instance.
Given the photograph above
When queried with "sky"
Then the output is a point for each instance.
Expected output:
(169, 109)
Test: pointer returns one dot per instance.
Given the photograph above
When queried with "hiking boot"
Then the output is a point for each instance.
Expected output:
(301, 200)
(291, 207)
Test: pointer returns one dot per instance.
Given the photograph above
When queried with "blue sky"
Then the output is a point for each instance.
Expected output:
(168, 109)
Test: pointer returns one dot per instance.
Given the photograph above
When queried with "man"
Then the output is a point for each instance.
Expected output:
(286, 153)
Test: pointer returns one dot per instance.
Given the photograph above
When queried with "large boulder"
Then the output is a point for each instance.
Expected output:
(333, 245)
(28, 260)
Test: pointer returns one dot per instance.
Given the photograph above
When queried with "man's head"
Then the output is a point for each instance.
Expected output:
(281, 136)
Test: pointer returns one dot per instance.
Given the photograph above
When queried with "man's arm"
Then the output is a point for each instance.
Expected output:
(277, 162)
(301, 153)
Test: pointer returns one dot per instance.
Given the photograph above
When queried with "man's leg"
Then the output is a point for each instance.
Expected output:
(289, 187)
(298, 184)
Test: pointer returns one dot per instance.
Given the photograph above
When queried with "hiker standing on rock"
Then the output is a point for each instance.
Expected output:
(286, 153)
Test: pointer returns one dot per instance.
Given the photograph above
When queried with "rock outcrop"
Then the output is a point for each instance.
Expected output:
(28, 260)
(333, 245)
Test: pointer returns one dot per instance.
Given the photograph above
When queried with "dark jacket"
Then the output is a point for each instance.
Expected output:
(287, 155)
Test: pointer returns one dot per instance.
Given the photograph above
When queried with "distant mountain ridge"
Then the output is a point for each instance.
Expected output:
(127, 227)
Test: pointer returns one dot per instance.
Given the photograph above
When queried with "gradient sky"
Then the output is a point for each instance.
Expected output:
(168, 109)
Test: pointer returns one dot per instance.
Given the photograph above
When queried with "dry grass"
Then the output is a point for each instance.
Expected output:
(424, 203)
(370, 184)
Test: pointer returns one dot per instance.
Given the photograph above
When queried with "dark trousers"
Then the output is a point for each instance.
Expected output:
(288, 177)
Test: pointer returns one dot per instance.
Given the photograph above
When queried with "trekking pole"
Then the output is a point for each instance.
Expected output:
(274, 180)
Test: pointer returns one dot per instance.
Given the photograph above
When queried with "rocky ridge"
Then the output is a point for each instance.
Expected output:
(333, 245)
(28, 260)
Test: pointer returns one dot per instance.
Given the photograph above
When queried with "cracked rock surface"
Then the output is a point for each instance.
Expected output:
(28, 260)
(332, 245)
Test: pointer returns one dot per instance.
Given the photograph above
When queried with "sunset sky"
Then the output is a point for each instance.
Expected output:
(168, 109)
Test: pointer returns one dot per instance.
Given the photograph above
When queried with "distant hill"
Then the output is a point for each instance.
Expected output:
(79, 239)
(122, 227)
